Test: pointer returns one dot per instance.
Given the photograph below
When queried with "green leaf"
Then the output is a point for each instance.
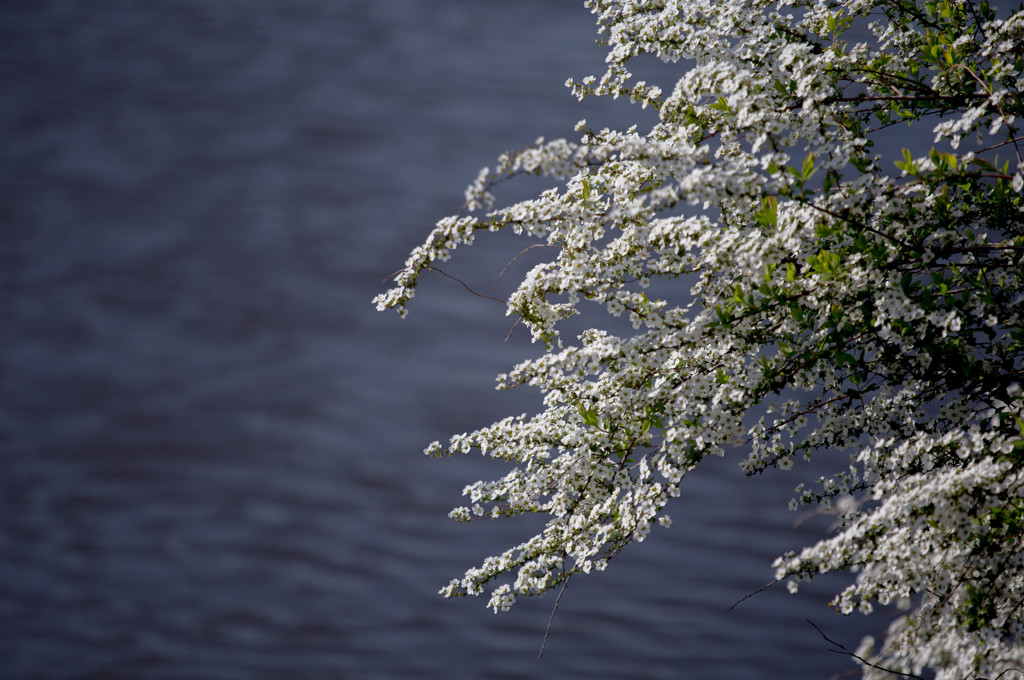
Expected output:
(907, 283)
(808, 167)
(831, 179)
(589, 415)
(724, 314)
(767, 216)
(826, 263)
(907, 165)
(721, 105)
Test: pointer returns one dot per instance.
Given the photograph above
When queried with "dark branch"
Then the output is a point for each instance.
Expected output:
(843, 650)
(763, 588)
(483, 295)
(547, 631)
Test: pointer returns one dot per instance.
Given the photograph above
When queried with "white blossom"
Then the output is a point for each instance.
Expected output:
(793, 295)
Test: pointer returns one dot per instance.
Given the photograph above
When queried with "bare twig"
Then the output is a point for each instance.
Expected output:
(1013, 140)
(522, 252)
(551, 618)
(903, 98)
(988, 90)
(483, 295)
(843, 650)
(392, 275)
(512, 330)
(763, 588)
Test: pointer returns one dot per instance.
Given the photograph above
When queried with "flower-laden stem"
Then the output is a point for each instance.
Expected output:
(791, 295)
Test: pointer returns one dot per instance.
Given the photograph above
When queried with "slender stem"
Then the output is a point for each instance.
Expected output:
(843, 650)
(547, 631)
(763, 588)
(464, 285)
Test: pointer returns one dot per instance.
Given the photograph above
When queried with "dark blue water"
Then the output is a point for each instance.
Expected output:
(210, 442)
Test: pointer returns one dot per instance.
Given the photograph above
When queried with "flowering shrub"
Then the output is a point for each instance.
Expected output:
(832, 298)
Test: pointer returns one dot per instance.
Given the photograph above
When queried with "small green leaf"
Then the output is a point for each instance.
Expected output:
(767, 216)
(589, 416)
(831, 180)
(724, 314)
(907, 165)
(808, 167)
(721, 105)
(844, 359)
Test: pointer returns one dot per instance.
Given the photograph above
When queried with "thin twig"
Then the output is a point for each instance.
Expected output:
(483, 295)
(1014, 140)
(843, 650)
(510, 262)
(551, 618)
(512, 330)
(392, 275)
(1002, 114)
(763, 588)
(903, 98)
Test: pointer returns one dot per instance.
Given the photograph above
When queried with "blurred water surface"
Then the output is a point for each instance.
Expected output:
(210, 441)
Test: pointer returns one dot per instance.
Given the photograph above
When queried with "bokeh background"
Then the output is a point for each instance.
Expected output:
(210, 441)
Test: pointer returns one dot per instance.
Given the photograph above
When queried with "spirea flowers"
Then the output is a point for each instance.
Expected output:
(835, 297)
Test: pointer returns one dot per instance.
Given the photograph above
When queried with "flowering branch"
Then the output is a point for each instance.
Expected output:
(792, 295)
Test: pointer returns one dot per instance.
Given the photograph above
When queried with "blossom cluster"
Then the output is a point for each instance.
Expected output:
(794, 292)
